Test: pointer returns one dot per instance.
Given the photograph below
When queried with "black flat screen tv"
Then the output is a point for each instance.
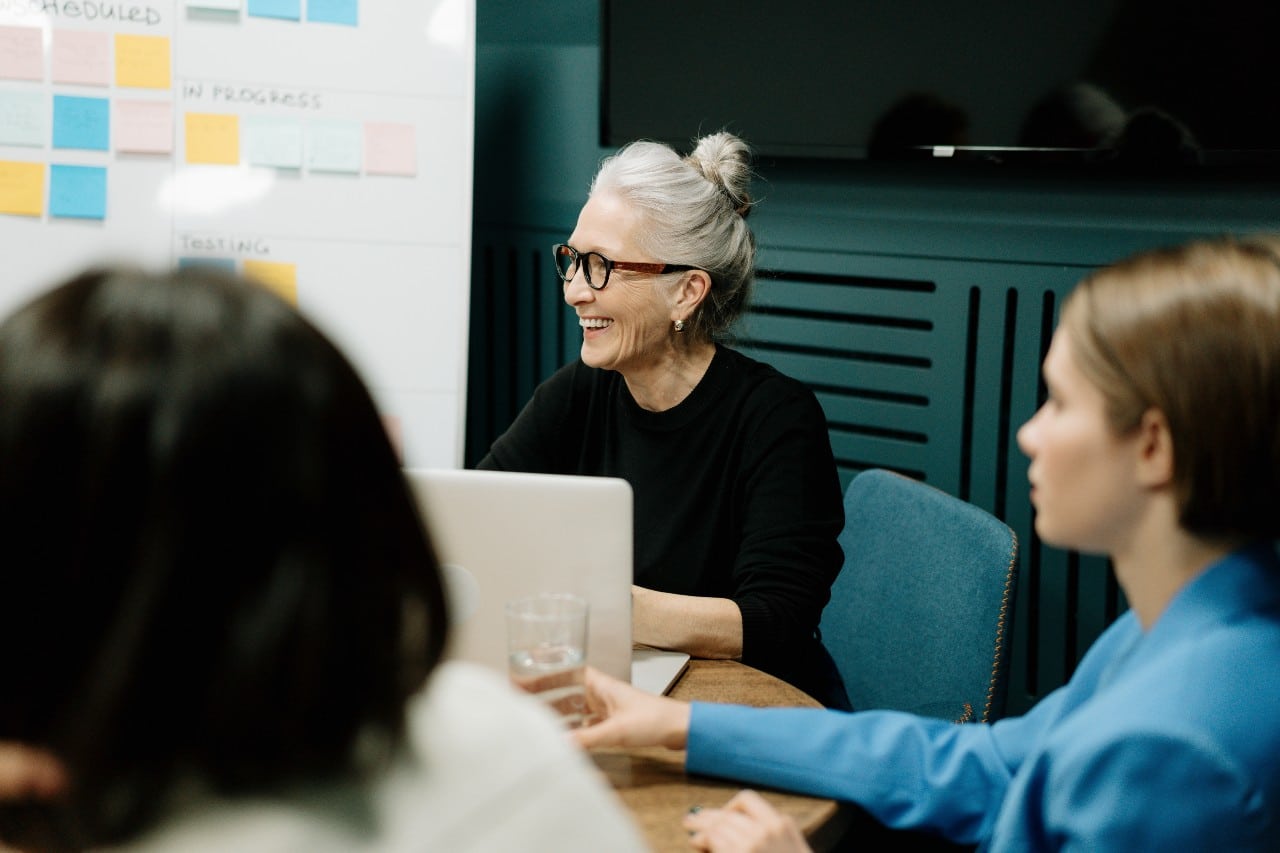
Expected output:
(1185, 82)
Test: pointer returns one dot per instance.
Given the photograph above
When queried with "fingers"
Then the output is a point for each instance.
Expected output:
(746, 823)
(599, 735)
(752, 804)
(27, 772)
(626, 716)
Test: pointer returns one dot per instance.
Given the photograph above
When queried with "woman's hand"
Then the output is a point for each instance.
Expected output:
(628, 716)
(29, 773)
(746, 823)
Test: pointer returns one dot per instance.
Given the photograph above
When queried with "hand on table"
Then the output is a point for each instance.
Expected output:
(27, 772)
(628, 716)
(746, 823)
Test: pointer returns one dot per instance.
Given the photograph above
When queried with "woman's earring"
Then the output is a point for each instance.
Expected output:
(679, 324)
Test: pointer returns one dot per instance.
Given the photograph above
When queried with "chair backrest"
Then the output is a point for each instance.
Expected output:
(920, 617)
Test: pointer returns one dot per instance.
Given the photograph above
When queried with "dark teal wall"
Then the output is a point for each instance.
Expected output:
(917, 302)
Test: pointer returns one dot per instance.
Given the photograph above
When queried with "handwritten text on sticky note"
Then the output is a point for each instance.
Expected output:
(21, 53)
(213, 138)
(273, 141)
(390, 148)
(22, 118)
(81, 122)
(81, 57)
(142, 62)
(144, 127)
(21, 188)
(335, 145)
(78, 192)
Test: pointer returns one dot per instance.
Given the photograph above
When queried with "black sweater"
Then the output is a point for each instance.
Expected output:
(736, 494)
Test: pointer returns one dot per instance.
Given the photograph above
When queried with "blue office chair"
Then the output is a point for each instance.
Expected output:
(920, 616)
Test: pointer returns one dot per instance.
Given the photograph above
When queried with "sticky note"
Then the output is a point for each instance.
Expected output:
(21, 53)
(81, 57)
(334, 145)
(81, 122)
(222, 5)
(273, 141)
(21, 188)
(144, 127)
(78, 192)
(282, 278)
(142, 62)
(290, 10)
(390, 149)
(213, 138)
(224, 264)
(333, 11)
(22, 118)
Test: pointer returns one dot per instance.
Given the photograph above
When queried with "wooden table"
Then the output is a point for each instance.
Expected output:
(653, 784)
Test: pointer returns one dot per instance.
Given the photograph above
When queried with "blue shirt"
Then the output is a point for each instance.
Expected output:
(1168, 739)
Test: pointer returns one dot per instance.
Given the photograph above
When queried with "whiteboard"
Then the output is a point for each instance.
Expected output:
(322, 146)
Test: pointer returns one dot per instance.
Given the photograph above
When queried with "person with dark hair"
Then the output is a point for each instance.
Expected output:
(1157, 446)
(737, 499)
(224, 619)
(914, 125)
(1077, 115)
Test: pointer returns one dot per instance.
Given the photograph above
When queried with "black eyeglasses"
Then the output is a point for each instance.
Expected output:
(597, 267)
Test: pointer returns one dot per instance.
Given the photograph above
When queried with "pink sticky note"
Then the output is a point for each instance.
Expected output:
(390, 149)
(21, 53)
(82, 56)
(144, 127)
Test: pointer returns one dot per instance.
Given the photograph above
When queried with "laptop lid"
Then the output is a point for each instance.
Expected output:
(502, 535)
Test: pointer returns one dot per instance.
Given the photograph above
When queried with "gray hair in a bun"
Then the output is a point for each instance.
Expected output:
(693, 211)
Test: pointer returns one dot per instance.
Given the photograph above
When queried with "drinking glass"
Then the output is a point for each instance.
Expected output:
(547, 651)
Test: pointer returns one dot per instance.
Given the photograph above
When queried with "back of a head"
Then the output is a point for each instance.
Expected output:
(1194, 331)
(210, 544)
(693, 211)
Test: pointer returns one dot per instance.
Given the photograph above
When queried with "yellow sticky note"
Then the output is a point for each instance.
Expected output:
(142, 61)
(21, 188)
(282, 278)
(213, 138)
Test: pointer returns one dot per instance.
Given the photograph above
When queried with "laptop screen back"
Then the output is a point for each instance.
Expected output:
(504, 535)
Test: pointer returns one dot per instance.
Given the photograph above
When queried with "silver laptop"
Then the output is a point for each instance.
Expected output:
(503, 535)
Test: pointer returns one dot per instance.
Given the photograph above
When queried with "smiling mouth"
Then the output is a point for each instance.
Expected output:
(594, 323)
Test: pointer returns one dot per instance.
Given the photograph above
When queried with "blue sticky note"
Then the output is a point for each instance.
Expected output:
(78, 191)
(81, 122)
(333, 11)
(224, 264)
(289, 10)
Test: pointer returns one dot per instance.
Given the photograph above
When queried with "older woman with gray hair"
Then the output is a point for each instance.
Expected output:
(737, 500)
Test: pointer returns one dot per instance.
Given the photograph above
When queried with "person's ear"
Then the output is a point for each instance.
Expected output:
(694, 287)
(1155, 449)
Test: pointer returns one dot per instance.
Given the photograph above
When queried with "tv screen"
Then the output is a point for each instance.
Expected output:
(1176, 81)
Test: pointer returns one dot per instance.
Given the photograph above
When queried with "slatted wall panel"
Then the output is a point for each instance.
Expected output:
(923, 366)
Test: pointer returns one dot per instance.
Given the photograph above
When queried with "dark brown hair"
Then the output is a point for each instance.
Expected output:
(214, 570)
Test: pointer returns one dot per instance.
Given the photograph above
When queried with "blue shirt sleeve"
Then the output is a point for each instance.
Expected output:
(907, 771)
